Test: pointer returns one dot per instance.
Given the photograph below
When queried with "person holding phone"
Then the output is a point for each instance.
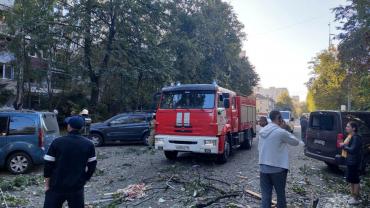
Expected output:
(274, 159)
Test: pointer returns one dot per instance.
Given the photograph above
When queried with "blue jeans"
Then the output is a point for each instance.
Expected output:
(276, 181)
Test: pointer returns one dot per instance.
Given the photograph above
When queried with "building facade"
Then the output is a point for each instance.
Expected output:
(264, 105)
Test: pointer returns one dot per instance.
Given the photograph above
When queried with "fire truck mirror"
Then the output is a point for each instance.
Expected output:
(225, 95)
(226, 103)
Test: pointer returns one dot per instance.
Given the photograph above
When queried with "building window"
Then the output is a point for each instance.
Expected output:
(6, 72)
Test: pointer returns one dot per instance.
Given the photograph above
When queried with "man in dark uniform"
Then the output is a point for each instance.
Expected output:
(69, 164)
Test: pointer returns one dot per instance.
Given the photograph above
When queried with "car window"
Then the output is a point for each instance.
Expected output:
(120, 120)
(50, 124)
(220, 103)
(137, 119)
(322, 122)
(3, 125)
(21, 126)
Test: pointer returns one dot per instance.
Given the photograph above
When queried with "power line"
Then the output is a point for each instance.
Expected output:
(290, 26)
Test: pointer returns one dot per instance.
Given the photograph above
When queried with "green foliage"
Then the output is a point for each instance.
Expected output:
(327, 83)
(343, 72)
(354, 38)
(311, 106)
(117, 54)
(284, 102)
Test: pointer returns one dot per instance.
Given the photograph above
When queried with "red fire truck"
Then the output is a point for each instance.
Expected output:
(204, 118)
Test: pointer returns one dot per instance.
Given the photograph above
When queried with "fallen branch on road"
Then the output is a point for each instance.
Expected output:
(258, 196)
(218, 180)
(216, 199)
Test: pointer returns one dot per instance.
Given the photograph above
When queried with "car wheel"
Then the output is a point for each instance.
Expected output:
(171, 155)
(97, 139)
(146, 139)
(19, 163)
(222, 158)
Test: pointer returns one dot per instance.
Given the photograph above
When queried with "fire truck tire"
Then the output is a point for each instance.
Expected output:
(171, 155)
(248, 140)
(222, 158)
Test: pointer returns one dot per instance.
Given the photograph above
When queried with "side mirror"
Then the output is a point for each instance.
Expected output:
(225, 95)
(292, 119)
(226, 103)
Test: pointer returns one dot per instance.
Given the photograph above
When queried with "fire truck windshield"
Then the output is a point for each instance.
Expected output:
(188, 100)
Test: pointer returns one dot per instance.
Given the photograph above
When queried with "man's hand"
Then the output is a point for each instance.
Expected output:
(47, 184)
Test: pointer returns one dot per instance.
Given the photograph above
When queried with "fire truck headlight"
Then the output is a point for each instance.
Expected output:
(210, 142)
(159, 141)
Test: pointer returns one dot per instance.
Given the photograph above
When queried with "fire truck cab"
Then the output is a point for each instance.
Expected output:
(204, 118)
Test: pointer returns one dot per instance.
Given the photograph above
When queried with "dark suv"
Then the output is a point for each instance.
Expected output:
(127, 127)
(327, 129)
(25, 137)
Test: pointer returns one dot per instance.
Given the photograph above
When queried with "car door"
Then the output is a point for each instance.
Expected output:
(4, 123)
(136, 127)
(117, 128)
(324, 128)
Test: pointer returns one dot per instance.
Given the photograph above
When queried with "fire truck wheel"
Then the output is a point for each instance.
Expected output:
(222, 158)
(171, 155)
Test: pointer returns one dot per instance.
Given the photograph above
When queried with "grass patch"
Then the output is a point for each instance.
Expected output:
(13, 201)
(299, 189)
(19, 182)
(99, 172)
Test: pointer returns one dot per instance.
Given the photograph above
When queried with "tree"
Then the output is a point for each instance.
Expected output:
(310, 102)
(118, 54)
(284, 102)
(354, 48)
(327, 83)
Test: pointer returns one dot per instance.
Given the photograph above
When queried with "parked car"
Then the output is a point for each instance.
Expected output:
(326, 129)
(25, 137)
(127, 127)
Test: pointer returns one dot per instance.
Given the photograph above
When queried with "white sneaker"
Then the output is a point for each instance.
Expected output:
(353, 201)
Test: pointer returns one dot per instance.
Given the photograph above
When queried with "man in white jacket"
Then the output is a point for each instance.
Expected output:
(274, 159)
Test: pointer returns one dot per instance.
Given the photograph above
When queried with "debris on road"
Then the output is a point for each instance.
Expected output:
(130, 193)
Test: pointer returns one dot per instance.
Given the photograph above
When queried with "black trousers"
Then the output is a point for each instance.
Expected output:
(55, 199)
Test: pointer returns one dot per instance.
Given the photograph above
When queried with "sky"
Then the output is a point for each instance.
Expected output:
(283, 36)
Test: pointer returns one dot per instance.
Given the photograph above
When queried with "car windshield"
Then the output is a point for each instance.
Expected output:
(188, 100)
(285, 115)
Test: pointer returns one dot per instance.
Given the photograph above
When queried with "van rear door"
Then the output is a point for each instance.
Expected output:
(324, 129)
(50, 128)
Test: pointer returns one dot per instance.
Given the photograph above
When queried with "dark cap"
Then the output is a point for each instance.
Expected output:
(76, 122)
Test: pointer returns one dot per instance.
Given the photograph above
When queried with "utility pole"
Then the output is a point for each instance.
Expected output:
(330, 34)
(349, 90)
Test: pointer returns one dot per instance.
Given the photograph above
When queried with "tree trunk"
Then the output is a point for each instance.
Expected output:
(18, 104)
(94, 79)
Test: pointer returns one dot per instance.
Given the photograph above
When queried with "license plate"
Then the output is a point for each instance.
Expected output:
(318, 141)
(180, 147)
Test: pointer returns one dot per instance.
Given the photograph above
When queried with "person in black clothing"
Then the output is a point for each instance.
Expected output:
(353, 160)
(304, 125)
(69, 163)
